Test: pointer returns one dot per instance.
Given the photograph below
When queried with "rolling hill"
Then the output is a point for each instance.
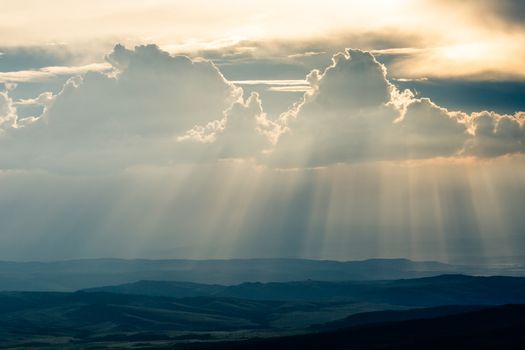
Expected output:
(490, 328)
(428, 291)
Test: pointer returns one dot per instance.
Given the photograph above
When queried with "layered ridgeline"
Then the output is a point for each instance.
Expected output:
(429, 291)
(153, 314)
(77, 274)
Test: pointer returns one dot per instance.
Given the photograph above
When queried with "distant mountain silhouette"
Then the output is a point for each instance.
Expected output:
(77, 274)
(429, 291)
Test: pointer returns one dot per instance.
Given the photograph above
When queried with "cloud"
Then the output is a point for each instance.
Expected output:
(283, 85)
(496, 134)
(355, 114)
(47, 73)
(155, 108)
(247, 130)
(428, 131)
(131, 117)
(244, 132)
(7, 111)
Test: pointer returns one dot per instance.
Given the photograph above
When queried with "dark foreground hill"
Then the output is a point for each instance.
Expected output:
(77, 274)
(492, 328)
(46, 320)
(102, 320)
(79, 320)
(429, 291)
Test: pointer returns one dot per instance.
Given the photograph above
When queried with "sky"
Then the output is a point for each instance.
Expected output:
(336, 130)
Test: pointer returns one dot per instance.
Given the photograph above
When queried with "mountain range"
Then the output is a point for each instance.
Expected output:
(427, 291)
(72, 275)
(258, 304)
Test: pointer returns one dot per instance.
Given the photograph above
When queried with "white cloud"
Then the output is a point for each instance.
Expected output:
(244, 132)
(155, 108)
(7, 111)
(44, 99)
(496, 134)
(281, 82)
(247, 130)
(282, 85)
(355, 114)
(47, 73)
(100, 121)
